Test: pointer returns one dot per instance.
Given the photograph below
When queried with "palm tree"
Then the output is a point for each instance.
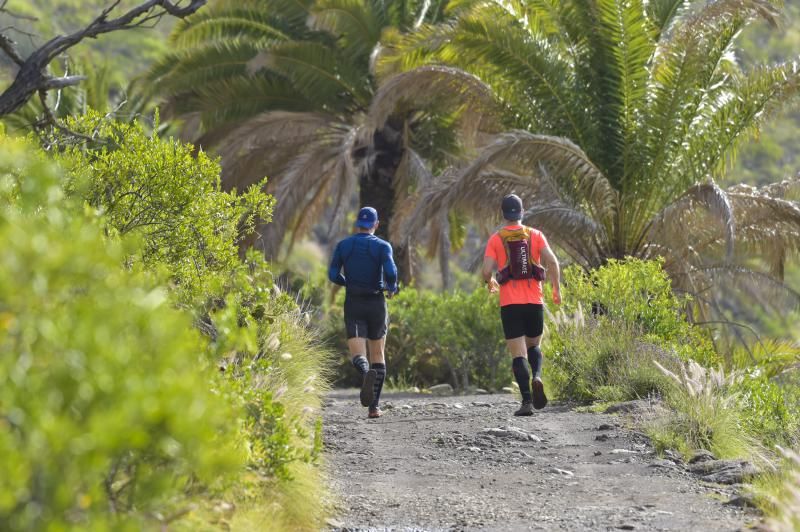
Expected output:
(285, 89)
(619, 114)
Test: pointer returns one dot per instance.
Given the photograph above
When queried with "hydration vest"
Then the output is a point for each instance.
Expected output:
(520, 263)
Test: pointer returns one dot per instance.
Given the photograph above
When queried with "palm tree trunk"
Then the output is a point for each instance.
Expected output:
(444, 254)
(377, 189)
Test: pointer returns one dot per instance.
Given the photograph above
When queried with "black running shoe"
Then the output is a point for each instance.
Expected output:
(525, 410)
(368, 388)
(539, 398)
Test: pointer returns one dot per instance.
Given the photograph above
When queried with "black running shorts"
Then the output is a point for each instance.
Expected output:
(365, 316)
(522, 320)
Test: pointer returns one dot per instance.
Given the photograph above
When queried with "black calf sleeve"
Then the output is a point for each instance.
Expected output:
(535, 360)
(523, 377)
(360, 363)
(380, 369)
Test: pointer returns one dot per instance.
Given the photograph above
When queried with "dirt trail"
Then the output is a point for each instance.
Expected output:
(465, 463)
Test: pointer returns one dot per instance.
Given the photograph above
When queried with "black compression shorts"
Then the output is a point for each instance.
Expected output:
(522, 320)
(365, 316)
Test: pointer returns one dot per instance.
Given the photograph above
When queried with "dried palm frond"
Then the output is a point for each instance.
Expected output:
(438, 88)
(266, 144)
(678, 220)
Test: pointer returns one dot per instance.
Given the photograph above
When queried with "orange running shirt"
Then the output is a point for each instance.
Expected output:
(519, 291)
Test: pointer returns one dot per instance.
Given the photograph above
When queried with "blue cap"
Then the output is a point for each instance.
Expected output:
(367, 217)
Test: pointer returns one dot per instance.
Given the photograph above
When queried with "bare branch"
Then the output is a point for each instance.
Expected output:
(10, 48)
(32, 77)
(20, 16)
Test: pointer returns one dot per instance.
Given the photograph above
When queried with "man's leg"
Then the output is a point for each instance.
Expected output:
(358, 354)
(534, 355)
(378, 364)
(514, 331)
(378, 327)
(535, 360)
(516, 346)
(533, 337)
(357, 344)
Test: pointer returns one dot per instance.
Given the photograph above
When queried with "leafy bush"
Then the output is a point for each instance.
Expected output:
(601, 359)
(107, 401)
(438, 337)
(164, 193)
(639, 294)
(769, 410)
(243, 400)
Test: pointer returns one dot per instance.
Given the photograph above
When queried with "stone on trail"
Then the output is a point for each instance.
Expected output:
(513, 433)
(441, 389)
(661, 463)
(562, 472)
(507, 389)
(479, 403)
(623, 451)
(481, 391)
(743, 500)
(724, 471)
(702, 456)
(629, 407)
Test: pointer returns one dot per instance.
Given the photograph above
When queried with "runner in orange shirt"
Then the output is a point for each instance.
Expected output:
(516, 251)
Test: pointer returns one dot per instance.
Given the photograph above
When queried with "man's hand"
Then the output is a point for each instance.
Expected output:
(390, 293)
(556, 295)
(492, 285)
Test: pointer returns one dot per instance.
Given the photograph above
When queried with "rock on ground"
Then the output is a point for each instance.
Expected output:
(465, 463)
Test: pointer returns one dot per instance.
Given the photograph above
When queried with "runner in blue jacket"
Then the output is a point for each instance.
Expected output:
(369, 271)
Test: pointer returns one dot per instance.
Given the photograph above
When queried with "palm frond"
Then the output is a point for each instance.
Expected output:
(690, 80)
(239, 99)
(266, 144)
(533, 158)
(624, 31)
(677, 224)
(438, 89)
(186, 70)
(748, 104)
(526, 70)
(304, 187)
(321, 73)
(662, 13)
(355, 22)
(232, 22)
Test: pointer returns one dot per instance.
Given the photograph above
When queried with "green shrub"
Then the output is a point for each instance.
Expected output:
(108, 411)
(589, 358)
(769, 411)
(166, 194)
(437, 337)
(638, 293)
(258, 371)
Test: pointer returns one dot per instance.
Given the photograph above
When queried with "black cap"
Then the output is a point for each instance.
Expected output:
(512, 207)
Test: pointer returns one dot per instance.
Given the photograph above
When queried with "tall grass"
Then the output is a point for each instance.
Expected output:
(590, 358)
(781, 492)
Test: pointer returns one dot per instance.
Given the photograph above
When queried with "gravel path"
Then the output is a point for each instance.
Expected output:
(465, 463)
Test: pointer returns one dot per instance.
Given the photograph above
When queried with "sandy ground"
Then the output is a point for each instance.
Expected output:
(466, 463)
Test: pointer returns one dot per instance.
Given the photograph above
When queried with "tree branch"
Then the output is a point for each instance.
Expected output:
(32, 77)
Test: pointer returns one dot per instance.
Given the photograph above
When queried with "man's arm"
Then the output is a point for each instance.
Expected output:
(335, 269)
(389, 270)
(489, 266)
(550, 262)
